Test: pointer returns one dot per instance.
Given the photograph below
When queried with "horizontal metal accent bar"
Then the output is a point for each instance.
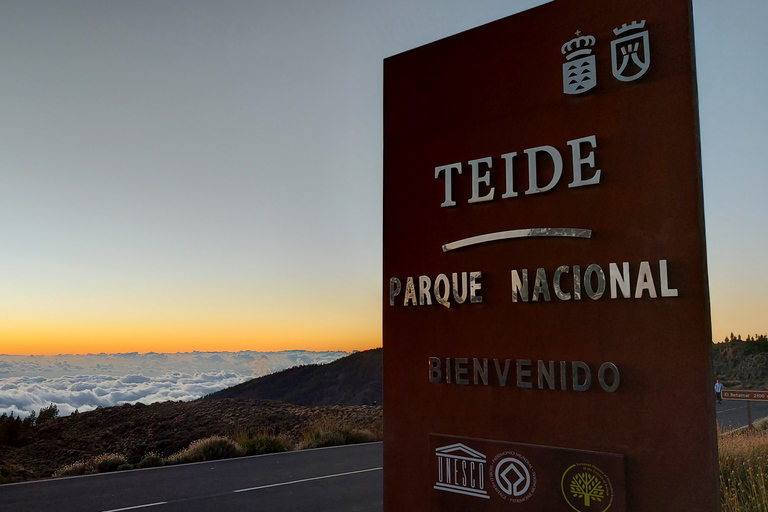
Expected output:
(518, 233)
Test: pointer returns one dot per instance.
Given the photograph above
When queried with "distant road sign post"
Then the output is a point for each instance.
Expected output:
(748, 396)
(739, 394)
(546, 310)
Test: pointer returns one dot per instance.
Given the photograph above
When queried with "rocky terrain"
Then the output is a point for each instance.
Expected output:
(742, 364)
(165, 428)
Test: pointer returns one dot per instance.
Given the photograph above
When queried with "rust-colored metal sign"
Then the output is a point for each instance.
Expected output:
(544, 265)
(738, 394)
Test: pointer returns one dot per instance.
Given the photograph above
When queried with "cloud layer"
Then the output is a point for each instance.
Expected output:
(85, 382)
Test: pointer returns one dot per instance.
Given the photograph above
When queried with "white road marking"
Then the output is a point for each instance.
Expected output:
(307, 480)
(137, 506)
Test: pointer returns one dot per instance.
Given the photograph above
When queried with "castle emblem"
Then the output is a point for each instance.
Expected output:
(630, 54)
(579, 73)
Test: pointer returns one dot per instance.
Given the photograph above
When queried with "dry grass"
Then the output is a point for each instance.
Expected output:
(329, 431)
(262, 442)
(210, 448)
(103, 463)
(744, 469)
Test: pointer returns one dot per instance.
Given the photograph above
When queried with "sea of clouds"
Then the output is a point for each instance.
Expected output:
(85, 382)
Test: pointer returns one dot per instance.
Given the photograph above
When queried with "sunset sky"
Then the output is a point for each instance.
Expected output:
(193, 175)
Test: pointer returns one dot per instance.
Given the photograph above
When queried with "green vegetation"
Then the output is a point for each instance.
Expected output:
(753, 344)
(13, 428)
(46, 414)
(6, 474)
(10, 429)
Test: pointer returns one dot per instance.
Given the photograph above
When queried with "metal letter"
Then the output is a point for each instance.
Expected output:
(448, 178)
(502, 374)
(578, 162)
(523, 373)
(620, 279)
(394, 289)
(481, 371)
(460, 365)
(556, 283)
(540, 286)
(591, 293)
(460, 297)
(547, 375)
(435, 373)
(474, 287)
(576, 282)
(616, 377)
(442, 298)
(563, 376)
(425, 283)
(509, 158)
(520, 287)
(575, 367)
(477, 179)
(645, 281)
(410, 292)
(533, 186)
(448, 370)
(666, 291)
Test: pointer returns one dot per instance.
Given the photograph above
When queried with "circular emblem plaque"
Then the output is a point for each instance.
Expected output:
(513, 477)
(586, 488)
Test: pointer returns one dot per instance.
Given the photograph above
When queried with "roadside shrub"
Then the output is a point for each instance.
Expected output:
(321, 439)
(125, 467)
(327, 432)
(210, 448)
(354, 436)
(6, 474)
(81, 467)
(108, 462)
(151, 460)
(103, 463)
(263, 443)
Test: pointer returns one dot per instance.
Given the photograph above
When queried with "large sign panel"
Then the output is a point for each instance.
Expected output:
(546, 314)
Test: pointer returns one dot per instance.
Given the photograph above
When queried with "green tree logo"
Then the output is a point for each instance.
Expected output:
(587, 487)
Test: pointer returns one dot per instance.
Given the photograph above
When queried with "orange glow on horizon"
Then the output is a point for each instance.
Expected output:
(74, 339)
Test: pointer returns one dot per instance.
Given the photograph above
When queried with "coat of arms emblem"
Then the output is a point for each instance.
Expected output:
(579, 73)
(630, 54)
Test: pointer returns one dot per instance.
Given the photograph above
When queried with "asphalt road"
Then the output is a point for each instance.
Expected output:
(340, 479)
(732, 414)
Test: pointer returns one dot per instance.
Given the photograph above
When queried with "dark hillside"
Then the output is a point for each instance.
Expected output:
(742, 364)
(162, 428)
(353, 380)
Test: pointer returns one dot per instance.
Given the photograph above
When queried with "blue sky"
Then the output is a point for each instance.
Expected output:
(189, 175)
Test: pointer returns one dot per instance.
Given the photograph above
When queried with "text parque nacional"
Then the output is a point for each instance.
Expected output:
(566, 282)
